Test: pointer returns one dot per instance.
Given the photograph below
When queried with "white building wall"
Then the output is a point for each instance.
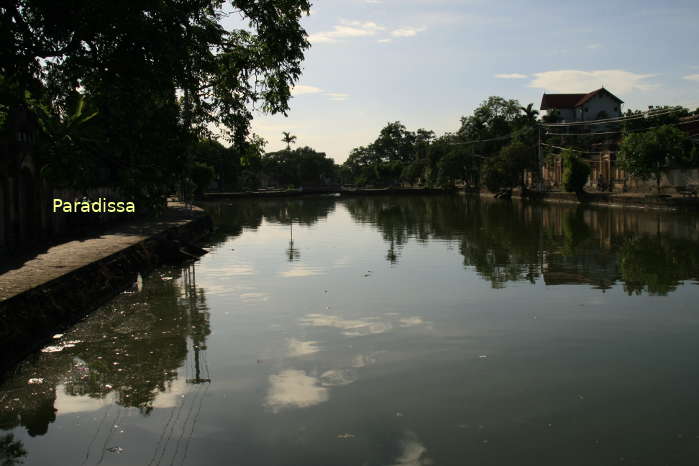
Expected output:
(599, 103)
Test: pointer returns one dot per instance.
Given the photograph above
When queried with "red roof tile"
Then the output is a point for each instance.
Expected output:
(553, 101)
(587, 97)
(550, 101)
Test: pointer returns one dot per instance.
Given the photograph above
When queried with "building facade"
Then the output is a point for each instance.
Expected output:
(595, 105)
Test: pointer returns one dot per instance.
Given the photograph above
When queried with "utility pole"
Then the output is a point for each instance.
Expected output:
(197, 379)
(541, 163)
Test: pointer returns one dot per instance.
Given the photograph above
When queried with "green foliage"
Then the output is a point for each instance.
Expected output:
(650, 264)
(661, 115)
(158, 74)
(288, 139)
(506, 170)
(299, 167)
(648, 153)
(419, 157)
(11, 451)
(575, 172)
(202, 176)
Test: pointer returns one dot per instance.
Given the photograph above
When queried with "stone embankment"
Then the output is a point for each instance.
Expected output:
(56, 288)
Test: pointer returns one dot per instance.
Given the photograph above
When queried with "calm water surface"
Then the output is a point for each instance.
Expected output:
(385, 331)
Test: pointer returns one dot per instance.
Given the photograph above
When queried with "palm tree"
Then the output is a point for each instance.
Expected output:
(529, 113)
(289, 139)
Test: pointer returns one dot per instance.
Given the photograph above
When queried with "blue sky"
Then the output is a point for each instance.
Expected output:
(429, 62)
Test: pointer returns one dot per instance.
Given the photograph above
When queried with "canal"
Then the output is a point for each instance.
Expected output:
(436, 330)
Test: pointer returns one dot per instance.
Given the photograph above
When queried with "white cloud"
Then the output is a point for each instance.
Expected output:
(407, 31)
(692, 77)
(373, 2)
(364, 360)
(301, 271)
(302, 348)
(578, 81)
(254, 297)
(346, 29)
(233, 270)
(411, 321)
(305, 90)
(350, 328)
(337, 96)
(294, 389)
(384, 41)
(362, 326)
(511, 76)
(337, 377)
(414, 453)
(302, 89)
(594, 46)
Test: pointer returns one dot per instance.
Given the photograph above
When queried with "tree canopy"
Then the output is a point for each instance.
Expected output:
(646, 154)
(158, 75)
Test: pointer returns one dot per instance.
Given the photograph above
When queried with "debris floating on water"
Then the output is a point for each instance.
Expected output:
(345, 436)
(35, 380)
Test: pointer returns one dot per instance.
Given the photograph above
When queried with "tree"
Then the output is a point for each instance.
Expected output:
(529, 113)
(159, 74)
(299, 167)
(646, 154)
(289, 139)
(575, 172)
(506, 170)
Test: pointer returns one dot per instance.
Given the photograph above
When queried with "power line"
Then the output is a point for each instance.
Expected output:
(647, 114)
(475, 141)
(679, 123)
(571, 149)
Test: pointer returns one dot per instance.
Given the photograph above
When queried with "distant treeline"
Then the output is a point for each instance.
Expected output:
(494, 147)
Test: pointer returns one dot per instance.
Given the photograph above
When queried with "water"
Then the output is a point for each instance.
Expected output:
(385, 331)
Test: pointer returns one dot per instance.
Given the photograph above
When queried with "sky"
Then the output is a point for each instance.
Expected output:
(427, 63)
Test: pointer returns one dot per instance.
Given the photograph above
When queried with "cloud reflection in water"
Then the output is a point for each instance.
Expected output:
(302, 348)
(361, 326)
(414, 453)
(292, 388)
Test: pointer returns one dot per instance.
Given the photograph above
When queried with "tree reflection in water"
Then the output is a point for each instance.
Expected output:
(503, 242)
(143, 341)
(11, 451)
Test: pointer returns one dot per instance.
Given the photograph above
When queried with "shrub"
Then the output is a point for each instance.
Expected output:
(575, 172)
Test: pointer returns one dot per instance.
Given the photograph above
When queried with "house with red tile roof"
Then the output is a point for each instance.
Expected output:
(595, 105)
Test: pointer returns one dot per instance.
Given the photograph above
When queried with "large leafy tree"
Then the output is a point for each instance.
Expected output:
(506, 170)
(159, 74)
(495, 119)
(646, 154)
(299, 167)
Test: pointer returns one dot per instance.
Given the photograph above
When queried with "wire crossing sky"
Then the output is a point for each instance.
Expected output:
(429, 62)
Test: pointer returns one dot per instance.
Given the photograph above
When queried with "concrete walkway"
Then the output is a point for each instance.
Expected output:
(67, 257)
